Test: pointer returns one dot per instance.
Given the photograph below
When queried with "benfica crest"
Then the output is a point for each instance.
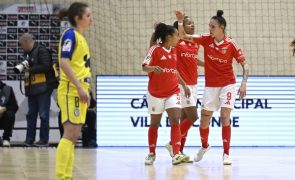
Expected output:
(223, 51)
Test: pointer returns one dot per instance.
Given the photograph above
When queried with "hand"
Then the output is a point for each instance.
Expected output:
(2, 109)
(83, 95)
(26, 69)
(157, 69)
(187, 91)
(242, 90)
(179, 15)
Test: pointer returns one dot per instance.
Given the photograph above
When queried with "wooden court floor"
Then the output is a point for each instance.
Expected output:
(114, 163)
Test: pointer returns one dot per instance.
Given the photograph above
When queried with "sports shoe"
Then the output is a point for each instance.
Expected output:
(186, 158)
(200, 154)
(169, 149)
(6, 143)
(28, 143)
(178, 158)
(41, 144)
(149, 160)
(226, 160)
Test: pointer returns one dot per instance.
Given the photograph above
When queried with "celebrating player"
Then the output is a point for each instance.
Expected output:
(163, 90)
(187, 66)
(219, 51)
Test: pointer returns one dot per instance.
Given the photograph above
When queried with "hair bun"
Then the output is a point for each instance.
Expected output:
(219, 13)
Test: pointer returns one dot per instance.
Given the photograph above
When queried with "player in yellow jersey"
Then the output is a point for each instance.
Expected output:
(75, 77)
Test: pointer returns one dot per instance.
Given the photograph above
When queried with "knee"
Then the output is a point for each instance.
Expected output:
(205, 114)
(72, 137)
(205, 117)
(174, 120)
(193, 117)
(225, 119)
(44, 116)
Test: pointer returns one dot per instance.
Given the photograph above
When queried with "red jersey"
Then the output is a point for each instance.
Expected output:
(163, 84)
(218, 58)
(187, 61)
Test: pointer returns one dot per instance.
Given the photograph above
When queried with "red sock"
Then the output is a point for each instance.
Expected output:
(226, 133)
(183, 139)
(152, 138)
(175, 138)
(204, 133)
(185, 125)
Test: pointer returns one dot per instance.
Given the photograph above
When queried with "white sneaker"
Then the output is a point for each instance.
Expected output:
(169, 149)
(200, 154)
(186, 158)
(150, 158)
(6, 143)
(178, 158)
(226, 160)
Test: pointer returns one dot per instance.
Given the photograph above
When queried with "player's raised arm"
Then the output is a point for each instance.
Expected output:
(180, 17)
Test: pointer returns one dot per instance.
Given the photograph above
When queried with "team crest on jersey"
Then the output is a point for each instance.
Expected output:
(175, 57)
(223, 51)
(77, 112)
(211, 45)
(67, 45)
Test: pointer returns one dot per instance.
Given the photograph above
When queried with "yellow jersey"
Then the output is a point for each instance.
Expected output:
(73, 46)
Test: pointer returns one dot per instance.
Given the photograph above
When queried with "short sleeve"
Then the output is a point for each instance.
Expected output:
(237, 52)
(148, 58)
(68, 43)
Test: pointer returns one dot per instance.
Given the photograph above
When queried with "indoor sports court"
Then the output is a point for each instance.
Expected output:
(262, 135)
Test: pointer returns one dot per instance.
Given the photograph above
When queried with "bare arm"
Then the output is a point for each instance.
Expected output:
(148, 69)
(180, 16)
(243, 87)
(65, 65)
(200, 63)
(186, 89)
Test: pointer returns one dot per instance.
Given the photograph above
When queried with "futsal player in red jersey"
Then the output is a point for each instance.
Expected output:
(163, 91)
(219, 51)
(187, 66)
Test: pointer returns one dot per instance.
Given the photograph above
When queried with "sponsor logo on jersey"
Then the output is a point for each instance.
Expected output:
(217, 59)
(169, 70)
(189, 55)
